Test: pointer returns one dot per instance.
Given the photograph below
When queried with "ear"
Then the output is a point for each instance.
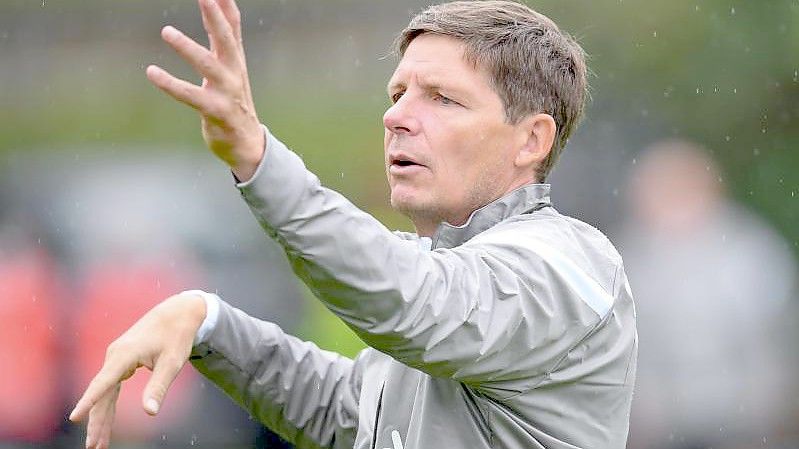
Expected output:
(538, 136)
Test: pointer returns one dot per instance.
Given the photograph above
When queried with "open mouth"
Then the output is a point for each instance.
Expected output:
(403, 160)
(403, 163)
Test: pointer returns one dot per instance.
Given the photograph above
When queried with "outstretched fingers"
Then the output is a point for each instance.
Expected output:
(165, 371)
(220, 33)
(184, 91)
(233, 16)
(101, 420)
(111, 374)
(195, 54)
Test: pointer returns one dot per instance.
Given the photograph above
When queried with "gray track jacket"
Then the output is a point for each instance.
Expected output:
(517, 330)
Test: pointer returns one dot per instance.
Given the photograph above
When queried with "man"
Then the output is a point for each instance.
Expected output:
(501, 323)
(717, 376)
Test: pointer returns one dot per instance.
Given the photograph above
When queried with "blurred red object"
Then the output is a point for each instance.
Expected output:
(30, 378)
(114, 297)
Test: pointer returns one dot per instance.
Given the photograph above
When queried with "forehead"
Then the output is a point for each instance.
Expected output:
(436, 57)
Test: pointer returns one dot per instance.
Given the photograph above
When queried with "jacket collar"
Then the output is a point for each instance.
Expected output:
(525, 199)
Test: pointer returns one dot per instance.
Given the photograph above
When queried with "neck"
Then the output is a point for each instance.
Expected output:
(427, 222)
(426, 229)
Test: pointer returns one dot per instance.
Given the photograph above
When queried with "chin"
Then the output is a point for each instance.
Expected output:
(417, 210)
(403, 204)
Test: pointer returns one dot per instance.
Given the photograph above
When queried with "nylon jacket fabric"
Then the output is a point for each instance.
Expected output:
(516, 330)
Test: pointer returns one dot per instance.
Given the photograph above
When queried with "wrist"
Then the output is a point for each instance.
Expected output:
(208, 313)
(252, 154)
(185, 310)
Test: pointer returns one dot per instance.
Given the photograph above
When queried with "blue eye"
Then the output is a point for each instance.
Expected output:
(445, 100)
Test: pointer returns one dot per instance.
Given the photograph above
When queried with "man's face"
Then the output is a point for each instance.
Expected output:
(448, 148)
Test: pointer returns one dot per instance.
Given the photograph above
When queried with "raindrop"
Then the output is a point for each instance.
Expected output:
(727, 138)
(796, 76)
(735, 91)
(635, 161)
(696, 8)
(732, 11)
(756, 151)
(193, 439)
(698, 91)
(654, 34)
(715, 89)
(342, 175)
(261, 22)
(615, 192)
(163, 437)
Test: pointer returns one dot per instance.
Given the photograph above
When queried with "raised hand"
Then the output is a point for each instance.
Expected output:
(230, 125)
(160, 341)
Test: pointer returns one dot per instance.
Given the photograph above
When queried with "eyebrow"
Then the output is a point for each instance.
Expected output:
(427, 83)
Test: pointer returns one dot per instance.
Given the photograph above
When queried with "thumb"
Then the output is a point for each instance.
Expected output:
(165, 371)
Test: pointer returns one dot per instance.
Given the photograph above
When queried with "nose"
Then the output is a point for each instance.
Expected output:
(401, 117)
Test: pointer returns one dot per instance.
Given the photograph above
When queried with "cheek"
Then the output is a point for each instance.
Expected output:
(386, 140)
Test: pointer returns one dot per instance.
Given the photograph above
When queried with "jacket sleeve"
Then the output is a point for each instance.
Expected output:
(306, 395)
(483, 313)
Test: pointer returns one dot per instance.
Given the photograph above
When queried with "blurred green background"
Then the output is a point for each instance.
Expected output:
(722, 73)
